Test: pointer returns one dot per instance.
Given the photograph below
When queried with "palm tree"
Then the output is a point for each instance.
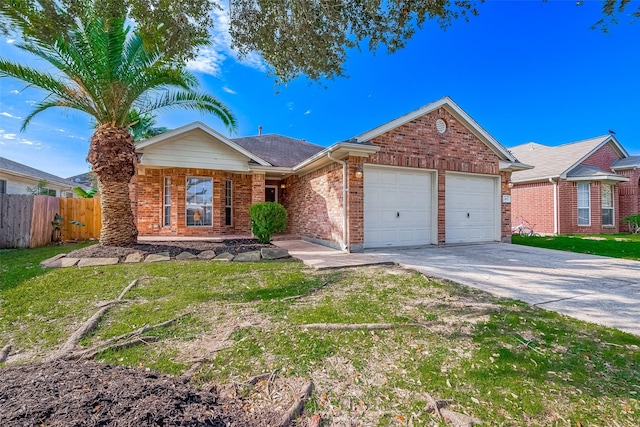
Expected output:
(106, 71)
(144, 126)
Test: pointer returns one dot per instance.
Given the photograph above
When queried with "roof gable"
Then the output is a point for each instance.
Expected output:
(558, 161)
(174, 135)
(453, 109)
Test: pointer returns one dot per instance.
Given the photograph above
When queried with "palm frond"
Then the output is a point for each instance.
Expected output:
(189, 100)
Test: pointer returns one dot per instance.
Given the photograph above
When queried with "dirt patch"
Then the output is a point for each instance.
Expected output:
(95, 394)
(173, 248)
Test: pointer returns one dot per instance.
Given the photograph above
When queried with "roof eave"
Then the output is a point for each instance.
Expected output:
(37, 178)
(617, 178)
(514, 166)
(339, 150)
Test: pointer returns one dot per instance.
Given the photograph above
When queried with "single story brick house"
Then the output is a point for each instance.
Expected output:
(581, 187)
(432, 176)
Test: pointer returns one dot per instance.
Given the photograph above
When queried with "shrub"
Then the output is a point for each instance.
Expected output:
(634, 223)
(267, 218)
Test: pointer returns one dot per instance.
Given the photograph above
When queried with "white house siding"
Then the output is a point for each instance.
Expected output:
(195, 149)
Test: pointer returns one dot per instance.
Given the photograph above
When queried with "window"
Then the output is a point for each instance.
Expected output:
(584, 203)
(228, 221)
(68, 194)
(166, 202)
(3, 186)
(607, 204)
(47, 192)
(199, 200)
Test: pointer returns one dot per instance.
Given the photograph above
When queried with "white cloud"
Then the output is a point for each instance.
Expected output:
(306, 113)
(26, 142)
(14, 92)
(11, 41)
(210, 59)
(228, 90)
(11, 116)
(290, 106)
(60, 130)
(30, 102)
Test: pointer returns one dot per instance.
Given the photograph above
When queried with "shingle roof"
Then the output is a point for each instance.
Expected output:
(19, 168)
(627, 163)
(278, 150)
(551, 162)
(82, 179)
(587, 170)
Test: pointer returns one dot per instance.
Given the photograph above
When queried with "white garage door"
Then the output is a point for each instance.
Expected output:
(471, 208)
(397, 207)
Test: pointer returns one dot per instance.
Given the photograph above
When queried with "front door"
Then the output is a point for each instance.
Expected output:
(271, 193)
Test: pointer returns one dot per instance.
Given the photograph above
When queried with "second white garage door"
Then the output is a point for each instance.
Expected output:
(398, 207)
(471, 208)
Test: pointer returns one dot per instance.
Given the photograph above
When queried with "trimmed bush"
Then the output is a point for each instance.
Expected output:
(634, 223)
(267, 218)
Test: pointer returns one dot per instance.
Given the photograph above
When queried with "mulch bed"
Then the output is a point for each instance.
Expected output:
(173, 248)
(90, 393)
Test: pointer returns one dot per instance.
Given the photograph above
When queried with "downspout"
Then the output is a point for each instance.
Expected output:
(345, 222)
(555, 205)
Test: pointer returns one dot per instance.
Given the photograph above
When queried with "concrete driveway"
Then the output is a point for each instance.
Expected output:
(592, 288)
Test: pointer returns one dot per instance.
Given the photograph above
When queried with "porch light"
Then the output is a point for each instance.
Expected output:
(359, 172)
(510, 184)
(283, 185)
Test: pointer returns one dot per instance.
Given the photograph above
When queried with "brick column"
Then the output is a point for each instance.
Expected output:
(355, 204)
(257, 188)
(505, 220)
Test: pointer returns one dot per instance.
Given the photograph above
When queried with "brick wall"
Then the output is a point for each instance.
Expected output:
(314, 204)
(629, 195)
(149, 190)
(534, 202)
(603, 158)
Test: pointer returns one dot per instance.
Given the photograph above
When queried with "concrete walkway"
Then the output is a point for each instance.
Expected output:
(588, 287)
(321, 257)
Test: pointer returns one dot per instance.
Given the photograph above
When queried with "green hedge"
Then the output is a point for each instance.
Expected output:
(267, 218)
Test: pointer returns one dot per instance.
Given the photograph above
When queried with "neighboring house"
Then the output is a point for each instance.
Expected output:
(581, 187)
(16, 178)
(85, 180)
(432, 176)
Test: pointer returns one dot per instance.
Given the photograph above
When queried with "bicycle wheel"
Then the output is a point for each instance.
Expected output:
(526, 232)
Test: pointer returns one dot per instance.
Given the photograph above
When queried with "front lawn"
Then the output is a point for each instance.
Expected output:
(616, 246)
(499, 360)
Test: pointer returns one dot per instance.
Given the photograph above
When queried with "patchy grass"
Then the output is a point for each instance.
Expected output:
(500, 360)
(19, 265)
(616, 246)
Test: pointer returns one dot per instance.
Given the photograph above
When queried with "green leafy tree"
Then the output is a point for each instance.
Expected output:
(106, 71)
(40, 188)
(143, 126)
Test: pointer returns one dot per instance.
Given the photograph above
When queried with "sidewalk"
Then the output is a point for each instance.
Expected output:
(321, 257)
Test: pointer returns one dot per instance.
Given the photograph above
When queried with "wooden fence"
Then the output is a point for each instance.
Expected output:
(26, 221)
(85, 211)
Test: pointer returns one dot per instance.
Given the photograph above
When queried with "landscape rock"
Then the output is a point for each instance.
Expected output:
(207, 255)
(52, 262)
(252, 256)
(185, 256)
(68, 262)
(274, 253)
(225, 256)
(134, 257)
(94, 262)
(162, 256)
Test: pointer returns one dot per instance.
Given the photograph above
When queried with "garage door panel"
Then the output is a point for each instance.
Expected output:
(397, 207)
(470, 208)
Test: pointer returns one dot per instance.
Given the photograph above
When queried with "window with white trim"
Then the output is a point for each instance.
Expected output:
(607, 204)
(3, 186)
(228, 194)
(584, 203)
(166, 202)
(199, 201)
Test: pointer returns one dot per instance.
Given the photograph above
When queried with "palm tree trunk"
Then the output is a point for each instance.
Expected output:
(112, 155)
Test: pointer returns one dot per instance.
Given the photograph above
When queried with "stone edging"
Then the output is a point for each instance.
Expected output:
(62, 261)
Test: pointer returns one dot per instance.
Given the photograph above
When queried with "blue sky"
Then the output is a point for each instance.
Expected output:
(524, 70)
